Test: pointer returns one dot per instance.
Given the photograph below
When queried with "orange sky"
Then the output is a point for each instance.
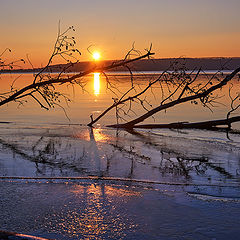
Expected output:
(191, 28)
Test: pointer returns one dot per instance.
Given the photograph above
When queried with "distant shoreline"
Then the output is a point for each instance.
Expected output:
(126, 73)
(147, 65)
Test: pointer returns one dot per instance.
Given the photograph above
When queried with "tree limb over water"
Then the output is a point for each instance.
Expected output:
(182, 87)
(43, 87)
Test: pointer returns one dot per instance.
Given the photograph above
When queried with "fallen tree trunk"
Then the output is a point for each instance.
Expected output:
(199, 125)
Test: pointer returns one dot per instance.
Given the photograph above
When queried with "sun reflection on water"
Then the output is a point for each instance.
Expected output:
(99, 136)
(96, 83)
(93, 216)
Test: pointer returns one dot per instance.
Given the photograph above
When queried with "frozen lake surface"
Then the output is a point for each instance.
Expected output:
(74, 182)
(68, 181)
(89, 210)
(187, 157)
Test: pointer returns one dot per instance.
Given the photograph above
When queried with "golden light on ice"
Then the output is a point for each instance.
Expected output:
(96, 56)
(96, 83)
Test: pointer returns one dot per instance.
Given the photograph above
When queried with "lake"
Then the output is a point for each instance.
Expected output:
(95, 97)
(36, 135)
(103, 183)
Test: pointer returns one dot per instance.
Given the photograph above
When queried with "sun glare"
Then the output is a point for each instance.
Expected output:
(96, 83)
(96, 56)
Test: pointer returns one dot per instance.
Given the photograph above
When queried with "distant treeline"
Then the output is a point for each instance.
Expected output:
(149, 65)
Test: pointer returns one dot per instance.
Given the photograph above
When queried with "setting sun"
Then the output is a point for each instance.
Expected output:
(96, 56)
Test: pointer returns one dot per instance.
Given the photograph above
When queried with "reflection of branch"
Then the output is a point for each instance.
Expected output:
(94, 151)
(42, 156)
(173, 162)
(130, 152)
(186, 164)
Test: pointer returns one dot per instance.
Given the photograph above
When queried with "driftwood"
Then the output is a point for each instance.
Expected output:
(213, 124)
(18, 236)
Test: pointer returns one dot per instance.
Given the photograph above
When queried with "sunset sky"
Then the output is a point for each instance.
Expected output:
(191, 28)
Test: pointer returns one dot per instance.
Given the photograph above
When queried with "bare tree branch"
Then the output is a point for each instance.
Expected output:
(203, 96)
(44, 84)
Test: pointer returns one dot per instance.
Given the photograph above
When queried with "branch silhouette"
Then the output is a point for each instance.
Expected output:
(43, 87)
